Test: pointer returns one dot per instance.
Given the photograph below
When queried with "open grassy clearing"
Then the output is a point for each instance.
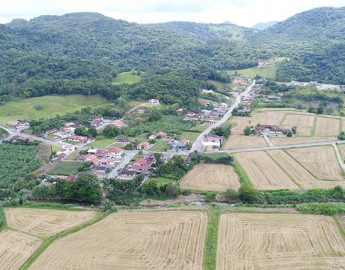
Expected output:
(45, 222)
(327, 127)
(319, 161)
(66, 168)
(279, 241)
(132, 240)
(160, 146)
(266, 72)
(50, 106)
(190, 136)
(126, 77)
(263, 172)
(15, 248)
(238, 141)
(211, 177)
(102, 142)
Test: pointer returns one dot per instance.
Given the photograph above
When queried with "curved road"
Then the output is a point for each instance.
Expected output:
(197, 145)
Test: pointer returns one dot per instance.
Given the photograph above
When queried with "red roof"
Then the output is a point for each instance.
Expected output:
(115, 150)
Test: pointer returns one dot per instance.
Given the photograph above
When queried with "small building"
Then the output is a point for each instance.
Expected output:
(97, 122)
(161, 134)
(271, 129)
(143, 146)
(116, 153)
(207, 91)
(154, 101)
(79, 139)
(123, 140)
(211, 142)
(153, 137)
(117, 123)
(178, 145)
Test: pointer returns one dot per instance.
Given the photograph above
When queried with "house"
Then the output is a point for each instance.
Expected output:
(70, 124)
(223, 105)
(153, 137)
(97, 122)
(161, 134)
(206, 91)
(98, 169)
(178, 145)
(20, 138)
(271, 129)
(122, 140)
(127, 174)
(19, 124)
(154, 101)
(116, 153)
(143, 146)
(212, 142)
(117, 123)
(59, 157)
(79, 139)
(108, 163)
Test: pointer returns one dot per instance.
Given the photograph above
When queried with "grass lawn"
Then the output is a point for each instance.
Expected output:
(160, 146)
(190, 136)
(66, 168)
(55, 148)
(102, 142)
(162, 181)
(126, 77)
(49, 106)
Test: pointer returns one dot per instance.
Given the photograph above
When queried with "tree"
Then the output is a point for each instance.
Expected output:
(87, 188)
(111, 132)
(92, 132)
(248, 194)
(231, 196)
(247, 131)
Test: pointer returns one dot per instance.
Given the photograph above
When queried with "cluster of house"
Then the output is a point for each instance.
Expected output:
(212, 142)
(240, 84)
(67, 133)
(271, 130)
(140, 166)
(17, 138)
(64, 152)
(102, 159)
(207, 116)
(319, 86)
(99, 122)
(19, 124)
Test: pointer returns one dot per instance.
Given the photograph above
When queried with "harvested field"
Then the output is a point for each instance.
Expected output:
(263, 172)
(303, 122)
(239, 124)
(341, 148)
(319, 161)
(279, 241)
(299, 140)
(45, 222)
(238, 141)
(211, 177)
(132, 240)
(326, 127)
(272, 117)
(16, 248)
(298, 174)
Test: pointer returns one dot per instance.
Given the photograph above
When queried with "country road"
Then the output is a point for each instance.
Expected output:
(197, 145)
(276, 147)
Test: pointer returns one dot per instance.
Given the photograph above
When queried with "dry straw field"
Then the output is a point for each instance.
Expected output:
(132, 240)
(320, 161)
(279, 241)
(303, 122)
(263, 172)
(45, 222)
(303, 168)
(211, 177)
(239, 141)
(15, 248)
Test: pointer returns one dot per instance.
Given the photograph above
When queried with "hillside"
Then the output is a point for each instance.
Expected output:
(264, 25)
(205, 31)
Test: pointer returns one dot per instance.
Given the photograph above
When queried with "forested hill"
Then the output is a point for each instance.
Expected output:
(319, 26)
(205, 31)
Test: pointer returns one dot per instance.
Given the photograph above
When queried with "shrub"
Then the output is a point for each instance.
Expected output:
(231, 196)
(248, 194)
(322, 208)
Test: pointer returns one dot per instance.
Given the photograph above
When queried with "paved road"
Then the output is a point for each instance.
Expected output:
(129, 155)
(13, 132)
(197, 145)
(302, 145)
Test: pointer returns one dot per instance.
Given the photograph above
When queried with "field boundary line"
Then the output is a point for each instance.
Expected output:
(282, 168)
(244, 180)
(211, 240)
(4, 225)
(313, 129)
(48, 241)
(340, 226)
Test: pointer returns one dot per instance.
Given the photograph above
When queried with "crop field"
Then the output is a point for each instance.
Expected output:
(263, 172)
(15, 248)
(303, 122)
(132, 240)
(45, 222)
(299, 140)
(319, 161)
(211, 177)
(326, 127)
(279, 241)
(298, 173)
(341, 148)
(47, 106)
(238, 141)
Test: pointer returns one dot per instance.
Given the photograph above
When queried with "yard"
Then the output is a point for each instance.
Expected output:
(66, 168)
(160, 146)
(126, 77)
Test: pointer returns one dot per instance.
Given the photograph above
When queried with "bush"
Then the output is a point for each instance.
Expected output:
(218, 158)
(248, 194)
(322, 208)
(231, 196)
